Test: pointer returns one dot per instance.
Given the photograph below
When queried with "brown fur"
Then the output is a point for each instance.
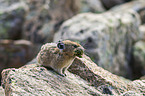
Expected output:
(51, 56)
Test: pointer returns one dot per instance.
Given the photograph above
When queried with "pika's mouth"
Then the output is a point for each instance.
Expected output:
(79, 52)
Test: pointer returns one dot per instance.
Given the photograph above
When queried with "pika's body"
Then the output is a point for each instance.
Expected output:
(59, 56)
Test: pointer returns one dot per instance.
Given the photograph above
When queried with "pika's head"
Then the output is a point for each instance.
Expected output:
(71, 48)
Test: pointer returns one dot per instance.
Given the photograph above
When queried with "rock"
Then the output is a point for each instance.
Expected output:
(142, 15)
(91, 6)
(138, 86)
(142, 78)
(136, 5)
(11, 15)
(36, 80)
(104, 81)
(142, 32)
(131, 93)
(107, 37)
(110, 3)
(1, 91)
(45, 17)
(14, 53)
(138, 60)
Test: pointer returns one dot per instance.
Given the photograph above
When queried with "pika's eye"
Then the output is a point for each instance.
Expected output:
(60, 45)
(75, 46)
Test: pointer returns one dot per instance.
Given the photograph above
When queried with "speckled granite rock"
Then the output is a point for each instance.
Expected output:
(36, 80)
(137, 86)
(105, 81)
(98, 77)
(107, 37)
(131, 93)
(33, 79)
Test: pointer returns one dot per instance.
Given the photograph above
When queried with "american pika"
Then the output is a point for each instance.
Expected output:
(59, 56)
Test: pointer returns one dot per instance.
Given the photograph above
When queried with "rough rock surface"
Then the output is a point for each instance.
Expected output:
(104, 80)
(138, 60)
(136, 5)
(107, 37)
(11, 19)
(14, 53)
(34, 79)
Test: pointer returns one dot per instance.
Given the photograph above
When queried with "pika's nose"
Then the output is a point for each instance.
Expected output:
(79, 51)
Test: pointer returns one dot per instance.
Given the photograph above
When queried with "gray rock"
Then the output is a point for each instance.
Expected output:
(136, 5)
(131, 93)
(142, 32)
(138, 60)
(104, 81)
(11, 19)
(35, 80)
(137, 86)
(45, 17)
(107, 37)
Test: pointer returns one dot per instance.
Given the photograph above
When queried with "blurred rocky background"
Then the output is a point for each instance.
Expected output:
(111, 31)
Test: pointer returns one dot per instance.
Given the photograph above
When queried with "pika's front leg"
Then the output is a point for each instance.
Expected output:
(60, 71)
(64, 70)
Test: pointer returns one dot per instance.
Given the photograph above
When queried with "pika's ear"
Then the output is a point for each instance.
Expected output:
(60, 45)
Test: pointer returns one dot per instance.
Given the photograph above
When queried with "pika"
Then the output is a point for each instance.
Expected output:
(59, 56)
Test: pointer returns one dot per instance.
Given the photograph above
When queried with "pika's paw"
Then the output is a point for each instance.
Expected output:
(63, 75)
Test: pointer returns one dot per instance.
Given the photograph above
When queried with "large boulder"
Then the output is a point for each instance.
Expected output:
(107, 37)
(11, 19)
(34, 79)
